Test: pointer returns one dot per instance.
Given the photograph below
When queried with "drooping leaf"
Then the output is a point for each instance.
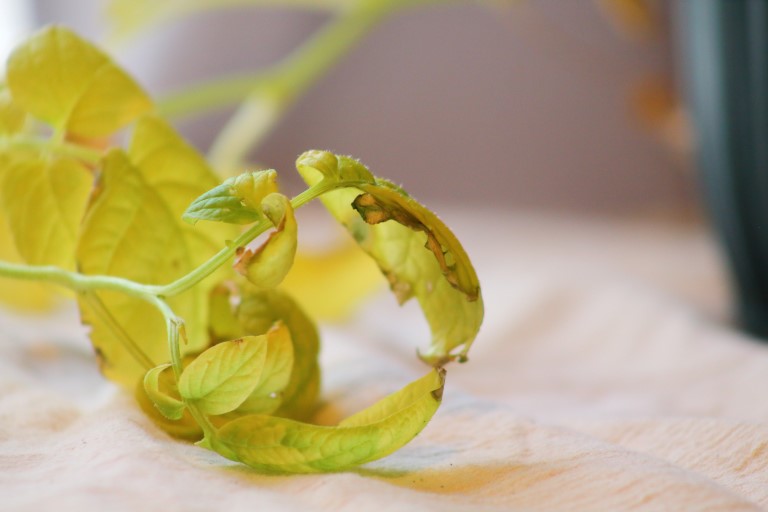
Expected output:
(415, 250)
(169, 406)
(129, 232)
(222, 377)
(236, 201)
(67, 82)
(278, 445)
(345, 269)
(43, 198)
(257, 312)
(268, 265)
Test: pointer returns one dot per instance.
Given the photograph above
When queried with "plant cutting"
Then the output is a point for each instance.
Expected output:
(183, 310)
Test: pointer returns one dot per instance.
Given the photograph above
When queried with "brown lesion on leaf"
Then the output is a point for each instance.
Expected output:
(437, 394)
(374, 212)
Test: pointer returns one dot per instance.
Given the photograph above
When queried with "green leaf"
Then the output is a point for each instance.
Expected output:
(44, 199)
(67, 82)
(267, 266)
(222, 377)
(278, 445)
(267, 396)
(170, 407)
(418, 254)
(257, 311)
(236, 201)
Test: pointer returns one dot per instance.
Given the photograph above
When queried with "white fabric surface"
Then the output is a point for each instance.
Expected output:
(603, 379)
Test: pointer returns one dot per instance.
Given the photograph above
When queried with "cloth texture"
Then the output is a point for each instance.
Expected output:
(605, 377)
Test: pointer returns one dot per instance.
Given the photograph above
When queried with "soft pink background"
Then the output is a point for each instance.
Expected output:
(523, 106)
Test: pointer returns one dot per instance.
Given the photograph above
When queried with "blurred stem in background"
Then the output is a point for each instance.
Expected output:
(725, 57)
(266, 94)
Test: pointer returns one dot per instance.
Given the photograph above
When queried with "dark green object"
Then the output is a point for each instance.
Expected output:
(725, 60)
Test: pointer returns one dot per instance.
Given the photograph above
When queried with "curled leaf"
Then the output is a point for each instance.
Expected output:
(236, 201)
(279, 445)
(418, 254)
(268, 265)
(169, 406)
(222, 377)
(67, 82)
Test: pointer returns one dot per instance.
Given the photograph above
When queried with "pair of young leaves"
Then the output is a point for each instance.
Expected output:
(132, 228)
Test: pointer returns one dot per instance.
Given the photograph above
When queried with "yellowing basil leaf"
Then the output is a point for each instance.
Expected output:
(267, 266)
(170, 407)
(275, 376)
(257, 312)
(176, 174)
(129, 231)
(69, 83)
(415, 250)
(44, 200)
(345, 269)
(222, 377)
(278, 445)
(236, 201)
(12, 117)
(17, 293)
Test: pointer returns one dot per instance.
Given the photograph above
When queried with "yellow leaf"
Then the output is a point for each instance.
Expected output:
(257, 312)
(134, 229)
(11, 116)
(268, 265)
(16, 293)
(279, 445)
(44, 199)
(67, 82)
(129, 232)
(414, 249)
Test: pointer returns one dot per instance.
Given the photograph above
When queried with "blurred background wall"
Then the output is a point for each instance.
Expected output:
(517, 104)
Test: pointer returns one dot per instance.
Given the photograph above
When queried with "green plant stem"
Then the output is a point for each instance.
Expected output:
(293, 74)
(74, 280)
(174, 326)
(152, 293)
